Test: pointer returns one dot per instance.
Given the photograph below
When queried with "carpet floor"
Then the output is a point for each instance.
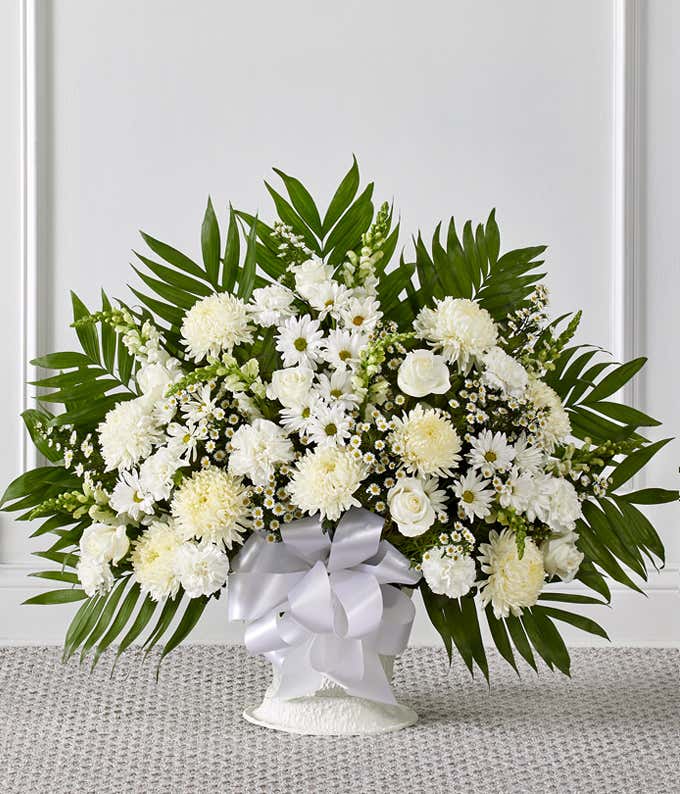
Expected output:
(613, 728)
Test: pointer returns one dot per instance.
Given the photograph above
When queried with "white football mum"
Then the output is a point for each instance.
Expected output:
(214, 325)
(426, 441)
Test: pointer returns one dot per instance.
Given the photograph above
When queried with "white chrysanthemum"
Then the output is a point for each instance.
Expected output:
(330, 424)
(561, 557)
(128, 434)
(474, 496)
(153, 560)
(271, 304)
(342, 348)
(502, 372)
(426, 441)
(459, 327)
(212, 505)
(157, 472)
(95, 577)
(361, 314)
(202, 569)
(513, 584)
(257, 449)
(104, 543)
(555, 425)
(490, 452)
(325, 480)
(129, 497)
(300, 341)
(214, 325)
(452, 576)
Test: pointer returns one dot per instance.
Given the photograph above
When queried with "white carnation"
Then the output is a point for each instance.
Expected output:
(95, 577)
(410, 507)
(154, 378)
(256, 450)
(459, 327)
(103, 543)
(128, 434)
(561, 557)
(324, 482)
(452, 576)
(153, 560)
(426, 441)
(215, 325)
(271, 304)
(290, 386)
(202, 569)
(212, 505)
(422, 372)
(512, 584)
(502, 372)
(157, 472)
(555, 424)
(564, 507)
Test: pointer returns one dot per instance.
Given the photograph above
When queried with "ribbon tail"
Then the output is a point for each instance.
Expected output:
(374, 684)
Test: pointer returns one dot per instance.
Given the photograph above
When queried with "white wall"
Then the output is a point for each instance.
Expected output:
(452, 107)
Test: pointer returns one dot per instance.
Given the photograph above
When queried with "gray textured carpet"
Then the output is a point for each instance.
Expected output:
(615, 727)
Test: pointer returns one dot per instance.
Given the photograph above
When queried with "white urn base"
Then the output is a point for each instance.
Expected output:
(328, 712)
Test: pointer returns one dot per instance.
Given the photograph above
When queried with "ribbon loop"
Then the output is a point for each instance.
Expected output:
(319, 608)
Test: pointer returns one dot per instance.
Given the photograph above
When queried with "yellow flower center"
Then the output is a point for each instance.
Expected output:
(468, 497)
(300, 344)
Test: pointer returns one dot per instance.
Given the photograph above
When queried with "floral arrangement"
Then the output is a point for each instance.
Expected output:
(302, 371)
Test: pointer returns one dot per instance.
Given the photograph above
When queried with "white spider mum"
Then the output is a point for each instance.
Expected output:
(215, 325)
(256, 450)
(426, 441)
(128, 434)
(459, 327)
(153, 560)
(490, 452)
(324, 482)
(300, 341)
(512, 584)
(202, 569)
(212, 505)
(474, 496)
(271, 304)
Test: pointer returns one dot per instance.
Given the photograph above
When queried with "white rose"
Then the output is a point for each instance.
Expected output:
(410, 507)
(423, 372)
(309, 275)
(449, 576)
(290, 386)
(103, 543)
(561, 557)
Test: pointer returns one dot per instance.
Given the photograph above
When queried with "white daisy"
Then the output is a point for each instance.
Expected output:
(330, 425)
(528, 458)
(199, 407)
(184, 440)
(516, 491)
(474, 496)
(328, 298)
(361, 314)
(490, 452)
(129, 497)
(298, 418)
(343, 348)
(300, 341)
(338, 388)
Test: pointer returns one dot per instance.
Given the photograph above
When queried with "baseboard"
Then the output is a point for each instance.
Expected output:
(632, 620)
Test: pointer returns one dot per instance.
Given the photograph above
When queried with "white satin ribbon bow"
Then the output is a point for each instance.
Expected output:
(317, 607)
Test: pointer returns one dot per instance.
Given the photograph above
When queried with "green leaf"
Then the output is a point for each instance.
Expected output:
(210, 244)
(164, 620)
(624, 413)
(176, 278)
(434, 606)
(189, 619)
(592, 578)
(302, 201)
(119, 622)
(247, 278)
(634, 462)
(35, 480)
(499, 634)
(108, 337)
(64, 360)
(570, 598)
(33, 419)
(57, 597)
(346, 236)
(652, 496)
(87, 334)
(173, 256)
(615, 380)
(82, 624)
(139, 624)
(346, 191)
(519, 639)
(583, 623)
(57, 576)
(112, 598)
(546, 639)
(232, 253)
